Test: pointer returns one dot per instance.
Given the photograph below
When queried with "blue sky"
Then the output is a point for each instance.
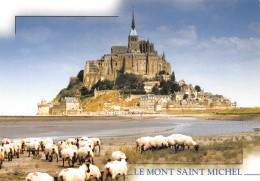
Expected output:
(211, 43)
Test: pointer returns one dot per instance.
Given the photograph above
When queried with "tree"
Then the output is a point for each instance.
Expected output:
(84, 91)
(197, 88)
(162, 83)
(129, 81)
(173, 76)
(155, 90)
(80, 75)
(103, 85)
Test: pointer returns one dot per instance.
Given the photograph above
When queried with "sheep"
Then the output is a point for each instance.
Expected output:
(85, 153)
(72, 141)
(96, 142)
(73, 174)
(171, 142)
(84, 138)
(6, 141)
(8, 150)
(183, 140)
(24, 144)
(49, 150)
(70, 155)
(17, 148)
(39, 176)
(92, 172)
(145, 143)
(45, 141)
(64, 145)
(115, 169)
(160, 142)
(117, 155)
(86, 143)
(2, 156)
(34, 147)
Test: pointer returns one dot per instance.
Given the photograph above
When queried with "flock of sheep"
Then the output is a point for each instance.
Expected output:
(160, 142)
(82, 149)
(70, 150)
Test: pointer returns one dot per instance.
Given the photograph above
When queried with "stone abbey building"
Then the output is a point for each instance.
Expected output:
(138, 57)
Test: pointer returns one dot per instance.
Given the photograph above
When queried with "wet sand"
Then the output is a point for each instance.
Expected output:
(124, 127)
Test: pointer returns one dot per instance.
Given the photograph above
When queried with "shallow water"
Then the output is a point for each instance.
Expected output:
(122, 128)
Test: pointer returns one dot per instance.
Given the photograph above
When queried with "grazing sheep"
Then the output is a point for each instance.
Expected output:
(8, 150)
(183, 140)
(6, 141)
(73, 174)
(117, 155)
(34, 147)
(86, 143)
(69, 154)
(145, 143)
(45, 141)
(2, 156)
(72, 141)
(96, 142)
(171, 142)
(39, 176)
(115, 169)
(49, 150)
(61, 142)
(17, 148)
(92, 172)
(73, 147)
(160, 142)
(85, 153)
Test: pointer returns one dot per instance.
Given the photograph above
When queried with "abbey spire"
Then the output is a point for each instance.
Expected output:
(133, 20)
(133, 31)
(133, 42)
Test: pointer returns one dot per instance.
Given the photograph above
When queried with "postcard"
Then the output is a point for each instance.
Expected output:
(129, 90)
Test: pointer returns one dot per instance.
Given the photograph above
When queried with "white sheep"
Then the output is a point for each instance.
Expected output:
(160, 142)
(69, 154)
(73, 174)
(34, 147)
(2, 156)
(86, 143)
(117, 155)
(92, 172)
(72, 141)
(49, 150)
(183, 140)
(96, 142)
(8, 151)
(17, 148)
(145, 143)
(115, 169)
(45, 141)
(171, 142)
(39, 176)
(85, 153)
(6, 141)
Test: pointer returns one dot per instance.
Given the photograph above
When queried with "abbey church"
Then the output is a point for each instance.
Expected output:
(138, 57)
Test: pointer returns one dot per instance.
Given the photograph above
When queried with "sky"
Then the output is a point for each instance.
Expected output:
(211, 43)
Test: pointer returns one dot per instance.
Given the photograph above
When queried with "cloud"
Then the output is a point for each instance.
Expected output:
(184, 37)
(35, 35)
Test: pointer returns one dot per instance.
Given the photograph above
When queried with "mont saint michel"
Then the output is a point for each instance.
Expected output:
(132, 78)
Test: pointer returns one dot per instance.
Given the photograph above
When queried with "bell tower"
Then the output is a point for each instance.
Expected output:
(133, 43)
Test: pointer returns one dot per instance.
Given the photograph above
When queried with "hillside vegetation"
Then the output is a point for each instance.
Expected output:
(106, 102)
